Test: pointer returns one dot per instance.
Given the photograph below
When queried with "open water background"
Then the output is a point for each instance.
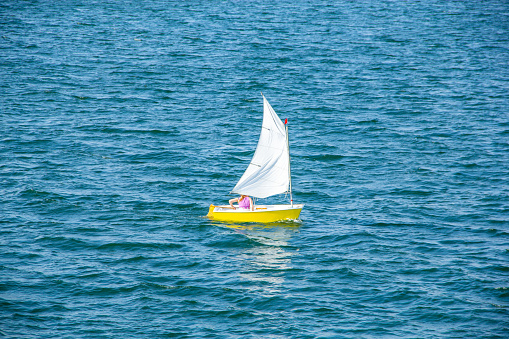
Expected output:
(121, 121)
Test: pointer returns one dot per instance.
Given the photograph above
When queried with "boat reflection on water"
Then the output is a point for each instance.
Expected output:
(265, 263)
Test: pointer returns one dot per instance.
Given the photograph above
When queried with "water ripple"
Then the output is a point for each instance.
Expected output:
(123, 121)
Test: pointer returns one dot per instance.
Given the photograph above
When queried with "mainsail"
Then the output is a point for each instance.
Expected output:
(268, 173)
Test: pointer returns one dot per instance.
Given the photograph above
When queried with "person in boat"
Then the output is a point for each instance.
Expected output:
(244, 201)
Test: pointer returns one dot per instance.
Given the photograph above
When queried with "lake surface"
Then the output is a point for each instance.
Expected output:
(122, 121)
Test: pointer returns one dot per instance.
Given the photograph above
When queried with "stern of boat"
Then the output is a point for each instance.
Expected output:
(211, 210)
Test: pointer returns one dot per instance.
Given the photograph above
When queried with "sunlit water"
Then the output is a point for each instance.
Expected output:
(122, 121)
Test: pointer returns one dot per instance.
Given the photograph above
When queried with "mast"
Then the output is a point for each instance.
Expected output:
(289, 170)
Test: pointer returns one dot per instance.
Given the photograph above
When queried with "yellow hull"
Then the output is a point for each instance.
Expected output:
(269, 213)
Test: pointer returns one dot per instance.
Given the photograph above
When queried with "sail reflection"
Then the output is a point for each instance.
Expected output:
(265, 262)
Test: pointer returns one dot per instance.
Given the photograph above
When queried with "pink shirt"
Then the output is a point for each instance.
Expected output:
(245, 203)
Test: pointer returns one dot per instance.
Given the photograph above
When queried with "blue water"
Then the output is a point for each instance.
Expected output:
(121, 121)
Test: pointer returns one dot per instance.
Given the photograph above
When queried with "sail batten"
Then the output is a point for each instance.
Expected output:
(268, 172)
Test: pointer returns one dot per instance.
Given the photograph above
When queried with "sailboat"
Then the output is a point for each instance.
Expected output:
(268, 174)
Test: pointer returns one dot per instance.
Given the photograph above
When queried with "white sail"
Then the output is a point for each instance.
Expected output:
(268, 173)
